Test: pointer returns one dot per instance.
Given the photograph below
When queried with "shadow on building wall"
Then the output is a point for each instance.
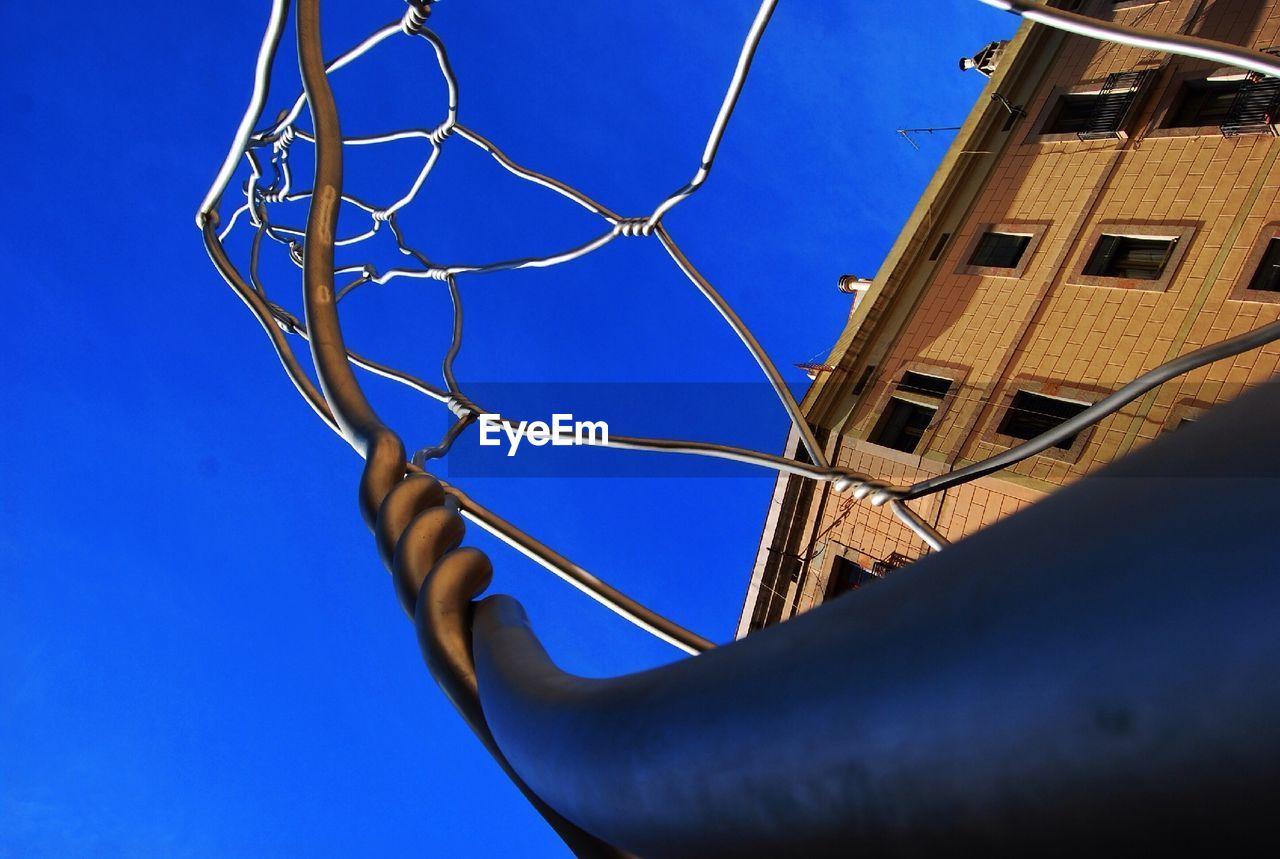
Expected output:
(1233, 21)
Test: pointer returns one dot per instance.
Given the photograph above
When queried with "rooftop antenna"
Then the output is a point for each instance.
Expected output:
(907, 132)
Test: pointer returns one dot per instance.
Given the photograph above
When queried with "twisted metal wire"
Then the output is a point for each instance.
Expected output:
(270, 146)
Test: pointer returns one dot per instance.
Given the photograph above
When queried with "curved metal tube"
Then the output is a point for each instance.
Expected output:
(922, 529)
(418, 541)
(431, 574)
(381, 448)
(257, 100)
(1174, 43)
(1034, 689)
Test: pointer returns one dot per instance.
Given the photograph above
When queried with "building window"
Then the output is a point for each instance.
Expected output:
(846, 576)
(1256, 107)
(891, 564)
(867, 371)
(937, 249)
(1132, 257)
(1000, 250)
(923, 383)
(1266, 278)
(1030, 415)
(1097, 115)
(902, 425)
(1006, 249)
(1203, 103)
(909, 411)
(1071, 114)
(1259, 278)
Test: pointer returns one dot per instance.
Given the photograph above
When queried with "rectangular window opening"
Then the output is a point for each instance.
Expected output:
(1072, 113)
(846, 576)
(1267, 276)
(1000, 250)
(937, 249)
(1030, 415)
(1133, 257)
(923, 383)
(902, 425)
(864, 379)
(1202, 103)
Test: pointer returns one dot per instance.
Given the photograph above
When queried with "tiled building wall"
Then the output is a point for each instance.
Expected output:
(1044, 328)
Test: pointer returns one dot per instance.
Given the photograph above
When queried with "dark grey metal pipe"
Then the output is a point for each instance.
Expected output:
(1097, 673)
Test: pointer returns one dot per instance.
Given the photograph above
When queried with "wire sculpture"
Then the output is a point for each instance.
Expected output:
(416, 518)
(267, 149)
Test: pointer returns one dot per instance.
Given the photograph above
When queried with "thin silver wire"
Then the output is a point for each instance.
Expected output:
(721, 124)
(257, 99)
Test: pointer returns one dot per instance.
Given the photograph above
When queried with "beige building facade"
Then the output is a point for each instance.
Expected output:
(1102, 211)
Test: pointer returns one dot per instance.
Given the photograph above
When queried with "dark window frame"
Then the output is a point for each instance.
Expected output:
(1030, 414)
(1130, 257)
(1034, 229)
(916, 389)
(900, 422)
(1244, 289)
(1050, 111)
(1171, 99)
(1079, 106)
(938, 248)
(1054, 390)
(1181, 232)
(999, 250)
(839, 577)
(1187, 110)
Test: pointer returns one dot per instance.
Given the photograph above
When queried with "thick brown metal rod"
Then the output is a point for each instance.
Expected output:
(426, 560)
(382, 449)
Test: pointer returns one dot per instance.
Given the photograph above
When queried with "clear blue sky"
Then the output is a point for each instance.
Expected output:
(199, 652)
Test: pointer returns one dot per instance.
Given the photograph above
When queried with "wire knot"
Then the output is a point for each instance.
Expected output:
(286, 137)
(634, 227)
(861, 488)
(461, 407)
(381, 215)
(440, 132)
(286, 321)
(415, 17)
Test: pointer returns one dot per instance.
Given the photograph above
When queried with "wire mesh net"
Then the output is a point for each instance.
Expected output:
(272, 193)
